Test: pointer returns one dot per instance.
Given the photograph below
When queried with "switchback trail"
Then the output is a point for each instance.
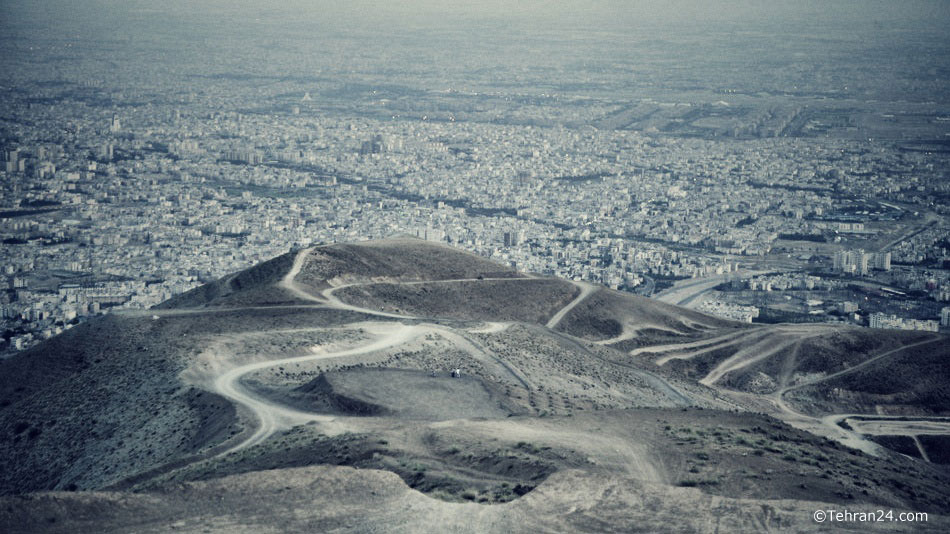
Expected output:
(272, 416)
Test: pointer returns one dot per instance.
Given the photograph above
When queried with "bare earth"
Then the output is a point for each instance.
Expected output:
(313, 393)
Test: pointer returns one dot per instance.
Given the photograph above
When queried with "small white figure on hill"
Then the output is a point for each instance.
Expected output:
(456, 373)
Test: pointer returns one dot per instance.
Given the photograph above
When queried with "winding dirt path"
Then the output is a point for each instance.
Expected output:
(334, 302)
(864, 364)
(288, 281)
(273, 417)
(586, 291)
(630, 332)
(705, 344)
(746, 357)
(483, 355)
(490, 328)
(829, 424)
(331, 299)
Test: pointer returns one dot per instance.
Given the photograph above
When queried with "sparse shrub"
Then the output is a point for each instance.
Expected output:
(522, 489)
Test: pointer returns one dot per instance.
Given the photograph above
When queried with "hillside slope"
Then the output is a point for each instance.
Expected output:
(298, 370)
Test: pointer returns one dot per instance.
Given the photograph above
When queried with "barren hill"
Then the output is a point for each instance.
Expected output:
(315, 392)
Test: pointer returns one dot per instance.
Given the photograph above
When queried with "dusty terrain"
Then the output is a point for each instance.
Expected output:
(313, 392)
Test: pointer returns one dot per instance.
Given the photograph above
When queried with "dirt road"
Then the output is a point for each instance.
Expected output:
(586, 291)
(273, 417)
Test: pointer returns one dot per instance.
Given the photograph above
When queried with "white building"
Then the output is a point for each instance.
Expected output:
(880, 320)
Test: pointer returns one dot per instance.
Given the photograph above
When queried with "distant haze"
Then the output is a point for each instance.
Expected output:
(614, 15)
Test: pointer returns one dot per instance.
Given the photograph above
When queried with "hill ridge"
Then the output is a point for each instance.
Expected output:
(341, 355)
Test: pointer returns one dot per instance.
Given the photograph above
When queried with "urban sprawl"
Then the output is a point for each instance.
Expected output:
(113, 198)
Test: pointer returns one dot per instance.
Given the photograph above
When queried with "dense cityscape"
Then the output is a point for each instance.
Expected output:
(475, 266)
(797, 198)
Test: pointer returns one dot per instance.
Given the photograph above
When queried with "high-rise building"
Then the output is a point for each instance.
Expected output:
(839, 260)
(881, 261)
(380, 143)
(251, 157)
(860, 262)
(880, 320)
(851, 261)
(106, 151)
(115, 126)
(945, 316)
(12, 161)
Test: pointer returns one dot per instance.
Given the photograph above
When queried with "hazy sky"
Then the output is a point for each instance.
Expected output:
(880, 40)
(614, 15)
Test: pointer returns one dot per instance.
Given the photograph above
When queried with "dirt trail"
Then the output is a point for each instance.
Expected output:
(630, 332)
(586, 291)
(745, 357)
(920, 448)
(330, 298)
(898, 426)
(173, 312)
(288, 282)
(687, 291)
(482, 354)
(720, 343)
(867, 362)
(490, 328)
(654, 380)
(828, 425)
(334, 302)
(273, 417)
(766, 344)
(625, 334)
(689, 345)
